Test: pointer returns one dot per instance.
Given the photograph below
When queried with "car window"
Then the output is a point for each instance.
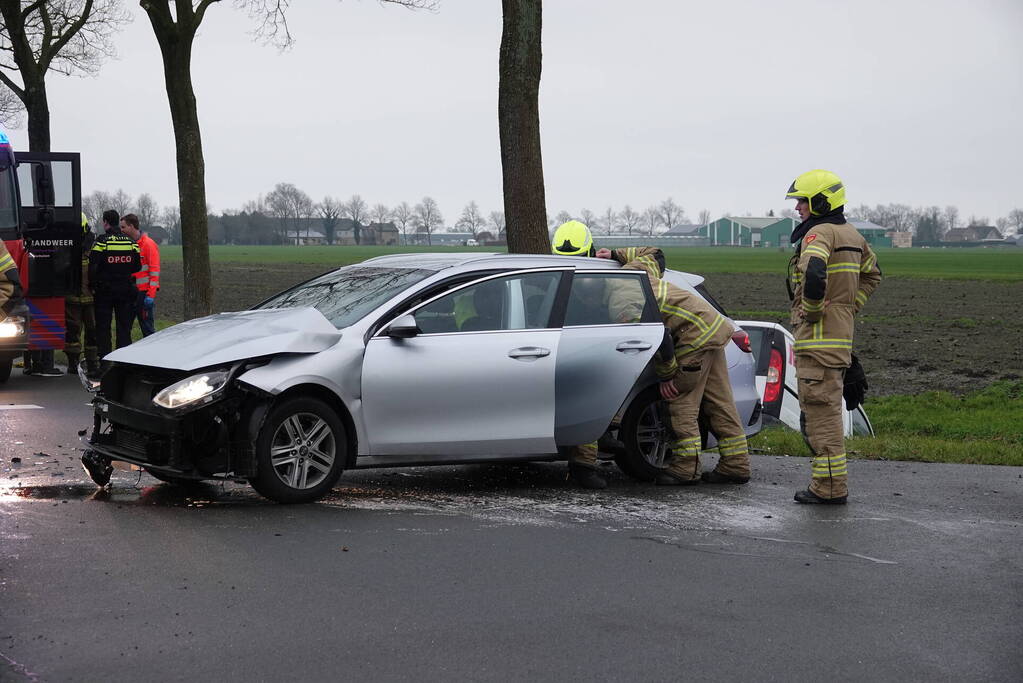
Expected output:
(345, 295)
(515, 302)
(702, 289)
(607, 299)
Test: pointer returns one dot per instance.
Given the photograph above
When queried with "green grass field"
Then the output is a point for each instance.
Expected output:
(1003, 264)
(985, 427)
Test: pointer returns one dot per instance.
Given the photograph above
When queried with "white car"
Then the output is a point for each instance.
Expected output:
(772, 347)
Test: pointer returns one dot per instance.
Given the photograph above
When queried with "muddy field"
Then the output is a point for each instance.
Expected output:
(914, 335)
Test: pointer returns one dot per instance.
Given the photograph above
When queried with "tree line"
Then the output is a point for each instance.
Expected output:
(930, 223)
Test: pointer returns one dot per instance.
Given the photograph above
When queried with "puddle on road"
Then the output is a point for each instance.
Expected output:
(533, 494)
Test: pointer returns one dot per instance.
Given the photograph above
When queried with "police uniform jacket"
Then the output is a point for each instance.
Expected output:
(113, 261)
(832, 274)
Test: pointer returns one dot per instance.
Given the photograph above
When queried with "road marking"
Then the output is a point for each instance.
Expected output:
(27, 406)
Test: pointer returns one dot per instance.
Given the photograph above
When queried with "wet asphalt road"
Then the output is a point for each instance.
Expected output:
(498, 573)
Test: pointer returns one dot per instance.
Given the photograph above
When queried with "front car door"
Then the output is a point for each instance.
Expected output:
(477, 381)
(611, 331)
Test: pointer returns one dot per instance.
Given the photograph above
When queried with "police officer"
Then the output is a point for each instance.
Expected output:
(830, 277)
(80, 315)
(694, 377)
(113, 260)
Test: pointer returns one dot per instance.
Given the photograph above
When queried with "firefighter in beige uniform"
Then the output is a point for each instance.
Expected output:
(831, 275)
(694, 375)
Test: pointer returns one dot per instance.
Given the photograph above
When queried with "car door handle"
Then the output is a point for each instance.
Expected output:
(633, 346)
(528, 353)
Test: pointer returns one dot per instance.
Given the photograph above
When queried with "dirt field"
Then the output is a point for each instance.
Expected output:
(914, 335)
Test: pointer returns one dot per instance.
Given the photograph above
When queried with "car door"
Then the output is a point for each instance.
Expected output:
(611, 331)
(478, 376)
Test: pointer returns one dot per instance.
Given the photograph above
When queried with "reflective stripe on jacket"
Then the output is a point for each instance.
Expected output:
(834, 272)
(693, 324)
(10, 282)
(148, 279)
(112, 261)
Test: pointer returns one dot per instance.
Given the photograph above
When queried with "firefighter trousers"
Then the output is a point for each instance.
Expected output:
(820, 400)
(79, 318)
(585, 454)
(117, 305)
(703, 384)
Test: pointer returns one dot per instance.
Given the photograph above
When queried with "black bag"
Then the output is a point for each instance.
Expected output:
(855, 388)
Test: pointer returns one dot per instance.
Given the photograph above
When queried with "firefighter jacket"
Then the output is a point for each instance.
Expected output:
(113, 261)
(85, 297)
(148, 279)
(10, 282)
(691, 324)
(831, 275)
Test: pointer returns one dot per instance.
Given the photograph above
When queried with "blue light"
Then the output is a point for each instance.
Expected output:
(4, 140)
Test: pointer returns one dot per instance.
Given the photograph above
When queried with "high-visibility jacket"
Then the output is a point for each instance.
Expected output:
(692, 324)
(148, 279)
(832, 274)
(10, 281)
(113, 260)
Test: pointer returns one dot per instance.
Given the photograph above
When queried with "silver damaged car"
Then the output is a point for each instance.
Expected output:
(411, 359)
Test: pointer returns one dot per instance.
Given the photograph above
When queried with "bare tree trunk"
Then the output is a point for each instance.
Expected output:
(518, 118)
(38, 110)
(175, 39)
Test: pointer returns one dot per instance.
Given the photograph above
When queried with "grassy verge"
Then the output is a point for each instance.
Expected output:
(1002, 264)
(985, 428)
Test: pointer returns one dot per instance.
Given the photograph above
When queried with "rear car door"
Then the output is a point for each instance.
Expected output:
(478, 378)
(611, 331)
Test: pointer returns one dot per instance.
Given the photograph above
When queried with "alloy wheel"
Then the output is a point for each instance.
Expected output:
(653, 436)
(302, 451)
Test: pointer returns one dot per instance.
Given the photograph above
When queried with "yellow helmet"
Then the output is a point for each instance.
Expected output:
(822, 189)
(85, 223)
(573, 238)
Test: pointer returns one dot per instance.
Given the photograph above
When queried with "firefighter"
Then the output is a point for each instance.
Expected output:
(694, 377)
(830, 277)
(113, 261)
(573, 238)
(80, 316)
(148, 279)
(11, 302)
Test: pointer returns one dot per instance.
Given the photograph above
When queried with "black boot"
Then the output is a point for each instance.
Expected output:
(666, 478)
(809, 497)
(28, 363)
(715, 477)
(72, 363)
(98, 467)
(586, 476)
(45, 366)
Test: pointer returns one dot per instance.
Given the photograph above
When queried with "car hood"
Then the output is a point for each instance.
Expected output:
(227, 337)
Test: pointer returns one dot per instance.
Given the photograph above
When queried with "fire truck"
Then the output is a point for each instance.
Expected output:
(41, 225)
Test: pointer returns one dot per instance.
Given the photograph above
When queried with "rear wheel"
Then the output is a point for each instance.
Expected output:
(646, 434)
(300, 451)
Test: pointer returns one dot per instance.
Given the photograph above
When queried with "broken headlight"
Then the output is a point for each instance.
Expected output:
(201, 388)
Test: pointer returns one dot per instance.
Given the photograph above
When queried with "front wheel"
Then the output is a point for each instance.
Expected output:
(646, 434)
(300, 451)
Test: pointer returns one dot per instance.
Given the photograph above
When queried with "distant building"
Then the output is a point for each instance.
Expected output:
(687, 230)
(973, 233)
(900, 238)
(748, 231)
(874, 234)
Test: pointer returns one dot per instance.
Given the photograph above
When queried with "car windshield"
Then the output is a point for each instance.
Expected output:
(345, 295)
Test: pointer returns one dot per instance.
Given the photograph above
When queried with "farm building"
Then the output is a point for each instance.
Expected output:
(749, 231)
(875, 235)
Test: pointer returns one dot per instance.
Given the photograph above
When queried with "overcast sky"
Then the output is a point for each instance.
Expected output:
(716, 104)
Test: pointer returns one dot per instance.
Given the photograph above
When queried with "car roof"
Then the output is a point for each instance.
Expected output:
(437, 261)
(442, 260)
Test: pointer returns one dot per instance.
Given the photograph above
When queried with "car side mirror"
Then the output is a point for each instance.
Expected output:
(404, 327)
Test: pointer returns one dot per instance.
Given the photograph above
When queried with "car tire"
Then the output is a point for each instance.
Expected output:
(6, 365)
(300, 451)
(645, 433)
